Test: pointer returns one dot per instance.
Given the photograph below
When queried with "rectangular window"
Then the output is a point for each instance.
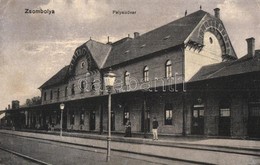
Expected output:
(224, 112)
(195, 113)
(168, 114)
(201, 112)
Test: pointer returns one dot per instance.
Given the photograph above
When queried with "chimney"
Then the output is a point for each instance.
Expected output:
(217, 13)
(15, 104)
(136, 34)
(108, 42)
(251, 47)
(9, 106)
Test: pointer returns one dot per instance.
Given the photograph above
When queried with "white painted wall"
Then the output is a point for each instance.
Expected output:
(210, 54)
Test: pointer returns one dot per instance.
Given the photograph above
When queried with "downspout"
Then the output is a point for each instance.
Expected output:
(183, 94)
(145, 115)
(101, 107)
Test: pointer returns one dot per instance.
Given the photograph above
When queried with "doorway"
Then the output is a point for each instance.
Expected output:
(254, 120)
(92, 121)
(224, 118)
(197, 120)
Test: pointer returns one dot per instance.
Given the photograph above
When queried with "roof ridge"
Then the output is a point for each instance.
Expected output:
(96, 42)
(189, 15)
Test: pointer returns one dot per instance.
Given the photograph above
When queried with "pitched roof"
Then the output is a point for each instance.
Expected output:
(246, 64)
(164, 37)
(99, 51)
(170, 35)
(58, 78)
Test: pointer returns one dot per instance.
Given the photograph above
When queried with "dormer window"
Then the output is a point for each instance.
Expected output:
(167, 37)
(143, 45)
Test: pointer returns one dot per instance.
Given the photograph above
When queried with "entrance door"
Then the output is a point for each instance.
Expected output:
(145, 123)
(92, 121)
(198, 120)
(254, 120)
(224, 122)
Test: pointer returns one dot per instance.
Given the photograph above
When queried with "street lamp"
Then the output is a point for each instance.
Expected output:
(62, 106)
(109, 80)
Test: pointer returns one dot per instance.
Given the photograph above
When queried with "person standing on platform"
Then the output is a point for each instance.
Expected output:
(128, 129)
(155, 127)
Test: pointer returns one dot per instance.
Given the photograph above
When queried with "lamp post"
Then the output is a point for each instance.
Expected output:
(62, 106)
(109, 80)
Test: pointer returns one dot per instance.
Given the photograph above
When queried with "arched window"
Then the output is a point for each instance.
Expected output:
(51, 95)
(168, 69)
(73, 89)
(58, 93)
(126, 78)
(146, 73)
(82, 117)
(82, 86)
(45, 96)
(66, 91)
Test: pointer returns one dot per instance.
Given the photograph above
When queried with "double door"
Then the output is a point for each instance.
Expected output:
(197, 127)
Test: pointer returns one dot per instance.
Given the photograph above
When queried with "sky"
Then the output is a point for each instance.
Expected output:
(33, 47)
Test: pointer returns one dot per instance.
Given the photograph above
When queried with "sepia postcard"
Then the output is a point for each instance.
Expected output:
(129, 82)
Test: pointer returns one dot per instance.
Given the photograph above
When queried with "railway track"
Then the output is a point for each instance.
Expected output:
(116, 152)
(25, 156)
(144, 156)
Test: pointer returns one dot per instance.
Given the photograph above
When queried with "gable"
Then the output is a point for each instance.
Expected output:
(215, 26)
(93, 53)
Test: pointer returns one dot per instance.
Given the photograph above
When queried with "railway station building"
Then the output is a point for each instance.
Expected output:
(185, 73)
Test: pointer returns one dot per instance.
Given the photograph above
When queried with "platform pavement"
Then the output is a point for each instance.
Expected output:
(168, 147)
